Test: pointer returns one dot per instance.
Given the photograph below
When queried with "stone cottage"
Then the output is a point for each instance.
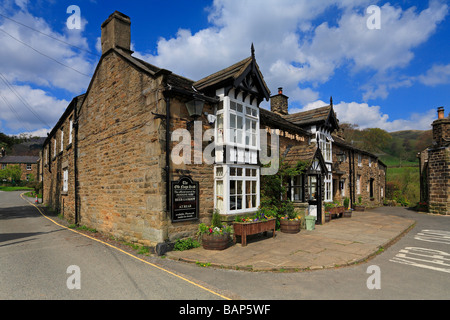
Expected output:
(145, 155)
(435, 167)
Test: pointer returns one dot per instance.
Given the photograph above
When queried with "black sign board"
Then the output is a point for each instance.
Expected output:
(185, 199)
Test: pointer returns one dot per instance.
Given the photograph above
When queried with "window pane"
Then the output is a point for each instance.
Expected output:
(232, 187)
(239, 172)
(239, 187)
(239, 108)
(238, 202)
(232, 105)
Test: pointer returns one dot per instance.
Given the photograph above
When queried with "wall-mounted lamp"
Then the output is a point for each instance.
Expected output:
(194, 109)
(340, 157)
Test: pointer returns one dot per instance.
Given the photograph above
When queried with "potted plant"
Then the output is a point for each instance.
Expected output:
(290, 222)
(260, 222)
(329, 209)
(216, 236)
(359, 206)
(347, 209)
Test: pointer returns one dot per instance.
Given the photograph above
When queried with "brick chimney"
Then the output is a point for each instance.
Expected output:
(441, 129)
(279, 103)
(116, 32)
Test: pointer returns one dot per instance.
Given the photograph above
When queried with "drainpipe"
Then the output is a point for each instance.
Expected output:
(167, 168)
(75, 161)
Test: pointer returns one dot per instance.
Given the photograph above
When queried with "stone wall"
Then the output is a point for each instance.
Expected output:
(120, 157)
(439, 180)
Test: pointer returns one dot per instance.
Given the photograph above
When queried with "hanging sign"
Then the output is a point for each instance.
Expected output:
(185, 199)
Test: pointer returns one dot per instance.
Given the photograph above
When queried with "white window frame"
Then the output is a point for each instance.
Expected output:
(65, 180)
(70, 130)
(325, 145)
(328, 192)
(359, 160)
(240, 174)
(54, 147)
(28, 166)
(358, 184)
(62, 139)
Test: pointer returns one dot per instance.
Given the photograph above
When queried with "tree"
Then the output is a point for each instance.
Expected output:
(375, 139)
(13, 173)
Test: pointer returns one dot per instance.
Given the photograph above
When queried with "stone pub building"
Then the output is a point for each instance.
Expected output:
(145, 155)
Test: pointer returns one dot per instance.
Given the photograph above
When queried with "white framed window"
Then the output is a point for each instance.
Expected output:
(237, 126)
(54, 147)
(359, 160)
(358, 184)
(236, 188)
(65, 179)
(370, 162)
(70, 130)
(297, 192)
(342, 187)
(28, 166)
(324, 145)
(328, 188)
(62, 139)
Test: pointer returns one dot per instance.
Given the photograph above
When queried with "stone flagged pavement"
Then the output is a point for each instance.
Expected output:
(340, 242)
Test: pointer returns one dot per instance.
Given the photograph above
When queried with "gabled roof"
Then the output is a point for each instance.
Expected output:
(319, 116)
(19, 159)
(304, 152)
(243, 76)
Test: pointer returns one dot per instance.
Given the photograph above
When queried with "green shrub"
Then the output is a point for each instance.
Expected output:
(185, 244)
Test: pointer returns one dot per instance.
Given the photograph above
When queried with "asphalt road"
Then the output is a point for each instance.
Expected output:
(35, 255)
(41, 260)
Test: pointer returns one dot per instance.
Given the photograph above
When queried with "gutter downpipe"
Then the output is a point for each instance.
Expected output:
(75, 161)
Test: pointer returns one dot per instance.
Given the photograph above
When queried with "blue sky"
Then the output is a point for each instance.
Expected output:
(393, 77)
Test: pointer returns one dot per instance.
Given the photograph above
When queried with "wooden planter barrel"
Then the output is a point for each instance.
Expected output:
(359, 208)
(290, 226)
(215, 241)
(347, 213)
(244, 229)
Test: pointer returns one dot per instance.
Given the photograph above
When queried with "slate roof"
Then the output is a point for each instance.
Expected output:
(19, 159)
(304, 152)
(310, 117)
(276, 121)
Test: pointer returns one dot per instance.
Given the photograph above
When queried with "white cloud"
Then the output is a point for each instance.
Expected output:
(293, 52)
(32, 59)
(15, 115)
(436, 75)
(366, 116)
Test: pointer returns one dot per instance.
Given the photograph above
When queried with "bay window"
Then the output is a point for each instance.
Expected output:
(237, 173)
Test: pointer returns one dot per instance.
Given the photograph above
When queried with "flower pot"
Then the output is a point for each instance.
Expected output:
(215, 241)
(244, 229)
(347, 213)
(290, 226)
(359, 208)
(327, 217)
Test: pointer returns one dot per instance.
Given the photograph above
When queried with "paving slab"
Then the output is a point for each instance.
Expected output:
(339, 242)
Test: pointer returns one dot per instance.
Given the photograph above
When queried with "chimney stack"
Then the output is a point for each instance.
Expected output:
(440, 111)
(279, 103)
(116, 32)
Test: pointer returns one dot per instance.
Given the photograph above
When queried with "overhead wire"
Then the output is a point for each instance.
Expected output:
(50, 36)
(29, 107)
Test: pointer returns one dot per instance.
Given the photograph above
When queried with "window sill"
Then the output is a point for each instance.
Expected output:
(64, 193)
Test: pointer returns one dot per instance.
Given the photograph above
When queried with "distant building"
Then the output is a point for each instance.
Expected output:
(435, 167)
(27, 164)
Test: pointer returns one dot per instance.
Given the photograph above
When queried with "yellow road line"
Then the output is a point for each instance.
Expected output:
(129, 254)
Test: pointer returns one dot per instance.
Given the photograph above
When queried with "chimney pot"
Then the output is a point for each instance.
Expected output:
(280, 90)
(116, 32)
(440, 111)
